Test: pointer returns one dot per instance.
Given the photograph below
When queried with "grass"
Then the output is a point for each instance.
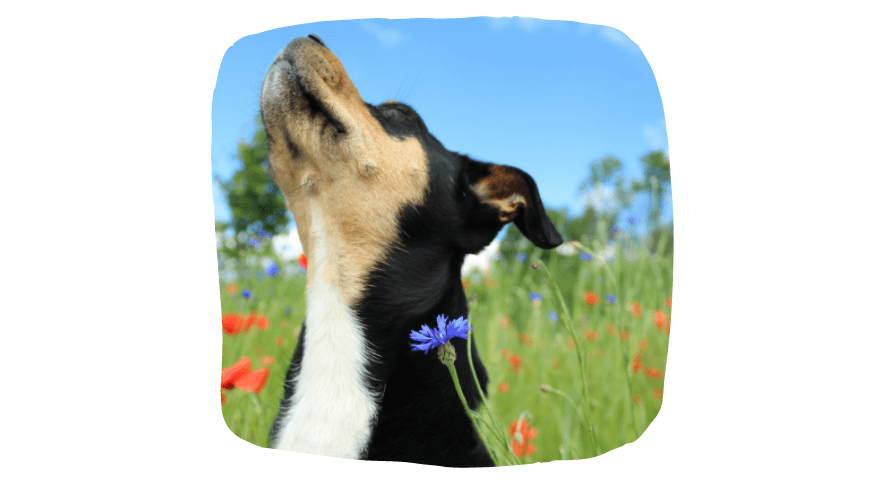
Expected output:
(524, 344)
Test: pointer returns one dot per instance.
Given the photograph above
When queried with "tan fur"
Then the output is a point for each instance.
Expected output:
(357, 182)
(503, 189)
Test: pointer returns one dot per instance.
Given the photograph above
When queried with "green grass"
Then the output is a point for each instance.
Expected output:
(617, 404)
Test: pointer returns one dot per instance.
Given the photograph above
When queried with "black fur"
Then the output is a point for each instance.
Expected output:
(421, 418)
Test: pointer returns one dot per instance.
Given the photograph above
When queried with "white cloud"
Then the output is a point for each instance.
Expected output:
(527, 24)
(617, 38)
(499, 23)
(655, 136)
(386, 36)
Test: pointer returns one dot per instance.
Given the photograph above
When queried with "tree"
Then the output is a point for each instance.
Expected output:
(257, 205)
(657, 173)
(606, 195)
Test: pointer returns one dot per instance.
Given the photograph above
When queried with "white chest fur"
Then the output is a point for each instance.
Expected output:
(331, 412)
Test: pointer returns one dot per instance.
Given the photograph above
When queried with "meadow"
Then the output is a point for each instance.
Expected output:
(597, 312)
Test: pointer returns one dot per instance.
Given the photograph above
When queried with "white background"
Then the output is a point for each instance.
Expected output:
(775, 116)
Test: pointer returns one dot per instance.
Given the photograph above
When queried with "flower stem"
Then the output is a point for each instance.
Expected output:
(452, 368)
(567, 322)
(500, 429)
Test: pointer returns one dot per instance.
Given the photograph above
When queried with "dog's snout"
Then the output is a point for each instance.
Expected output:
(315, 38)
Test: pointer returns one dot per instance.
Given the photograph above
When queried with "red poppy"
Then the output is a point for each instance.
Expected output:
(525, 339)
(636, 308)
(668, 302)
(267, 360)
(625, 335)
(521, 434)
(262, 322)
(571, 344)
(506, 321)
(279, 341)
(253, 381)
(660, 319)
(654, 373)
(233, 323)
(465, 283)
(235, 371)
(643, 344)
(657, 394)
(303, 261)
(503, 387)
(515, 363)
(636, 365)
(637, 399)
(591, 298)
(232, 289)
(591, 335)
(223, 396)
(505, 353)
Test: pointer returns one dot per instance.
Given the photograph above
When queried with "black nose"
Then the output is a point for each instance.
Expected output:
(315, 38)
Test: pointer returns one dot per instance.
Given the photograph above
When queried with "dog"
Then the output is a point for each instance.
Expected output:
(386, 216)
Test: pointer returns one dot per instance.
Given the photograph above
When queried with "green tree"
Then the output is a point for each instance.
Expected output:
(255, 201)
(605, 174)
(656, 182)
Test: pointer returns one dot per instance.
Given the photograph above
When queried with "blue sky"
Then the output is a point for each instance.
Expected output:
(548, 97)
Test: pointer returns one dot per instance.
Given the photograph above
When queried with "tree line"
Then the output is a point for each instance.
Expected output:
(258, 208)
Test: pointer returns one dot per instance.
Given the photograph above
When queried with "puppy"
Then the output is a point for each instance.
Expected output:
(386, 215)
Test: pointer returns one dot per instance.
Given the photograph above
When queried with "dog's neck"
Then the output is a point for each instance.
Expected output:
(332, 408)
(351, 349)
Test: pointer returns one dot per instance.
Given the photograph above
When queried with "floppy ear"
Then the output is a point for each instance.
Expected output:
(514, 196)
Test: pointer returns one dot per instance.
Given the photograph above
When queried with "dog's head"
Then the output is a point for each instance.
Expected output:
(364, 181)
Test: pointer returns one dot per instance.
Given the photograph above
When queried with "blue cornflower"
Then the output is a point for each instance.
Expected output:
(552, 316)
(246, 294)
(264, 234)
(521, 257)
(585, 257)
(253, 242)
(611, 299)
(632, 220)
(272, 270)
(535, 296)
(429, 338)
(615, 228)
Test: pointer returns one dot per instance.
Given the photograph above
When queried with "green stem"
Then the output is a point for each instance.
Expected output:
(500, 429)
(625, 357)
(567, 321)
(452, 368)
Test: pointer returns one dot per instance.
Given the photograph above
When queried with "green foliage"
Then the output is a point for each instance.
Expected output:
(657, 174)
(617, 349)
(255, 201)
(607, 174)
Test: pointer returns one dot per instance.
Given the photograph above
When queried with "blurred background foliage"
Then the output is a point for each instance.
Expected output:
(259, 209)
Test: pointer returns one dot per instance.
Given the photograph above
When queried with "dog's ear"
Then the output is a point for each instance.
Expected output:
(508, 194)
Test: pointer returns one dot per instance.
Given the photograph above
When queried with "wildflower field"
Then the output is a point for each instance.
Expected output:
(574, 342)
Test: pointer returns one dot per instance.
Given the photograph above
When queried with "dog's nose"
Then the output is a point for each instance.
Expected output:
(315, 38)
